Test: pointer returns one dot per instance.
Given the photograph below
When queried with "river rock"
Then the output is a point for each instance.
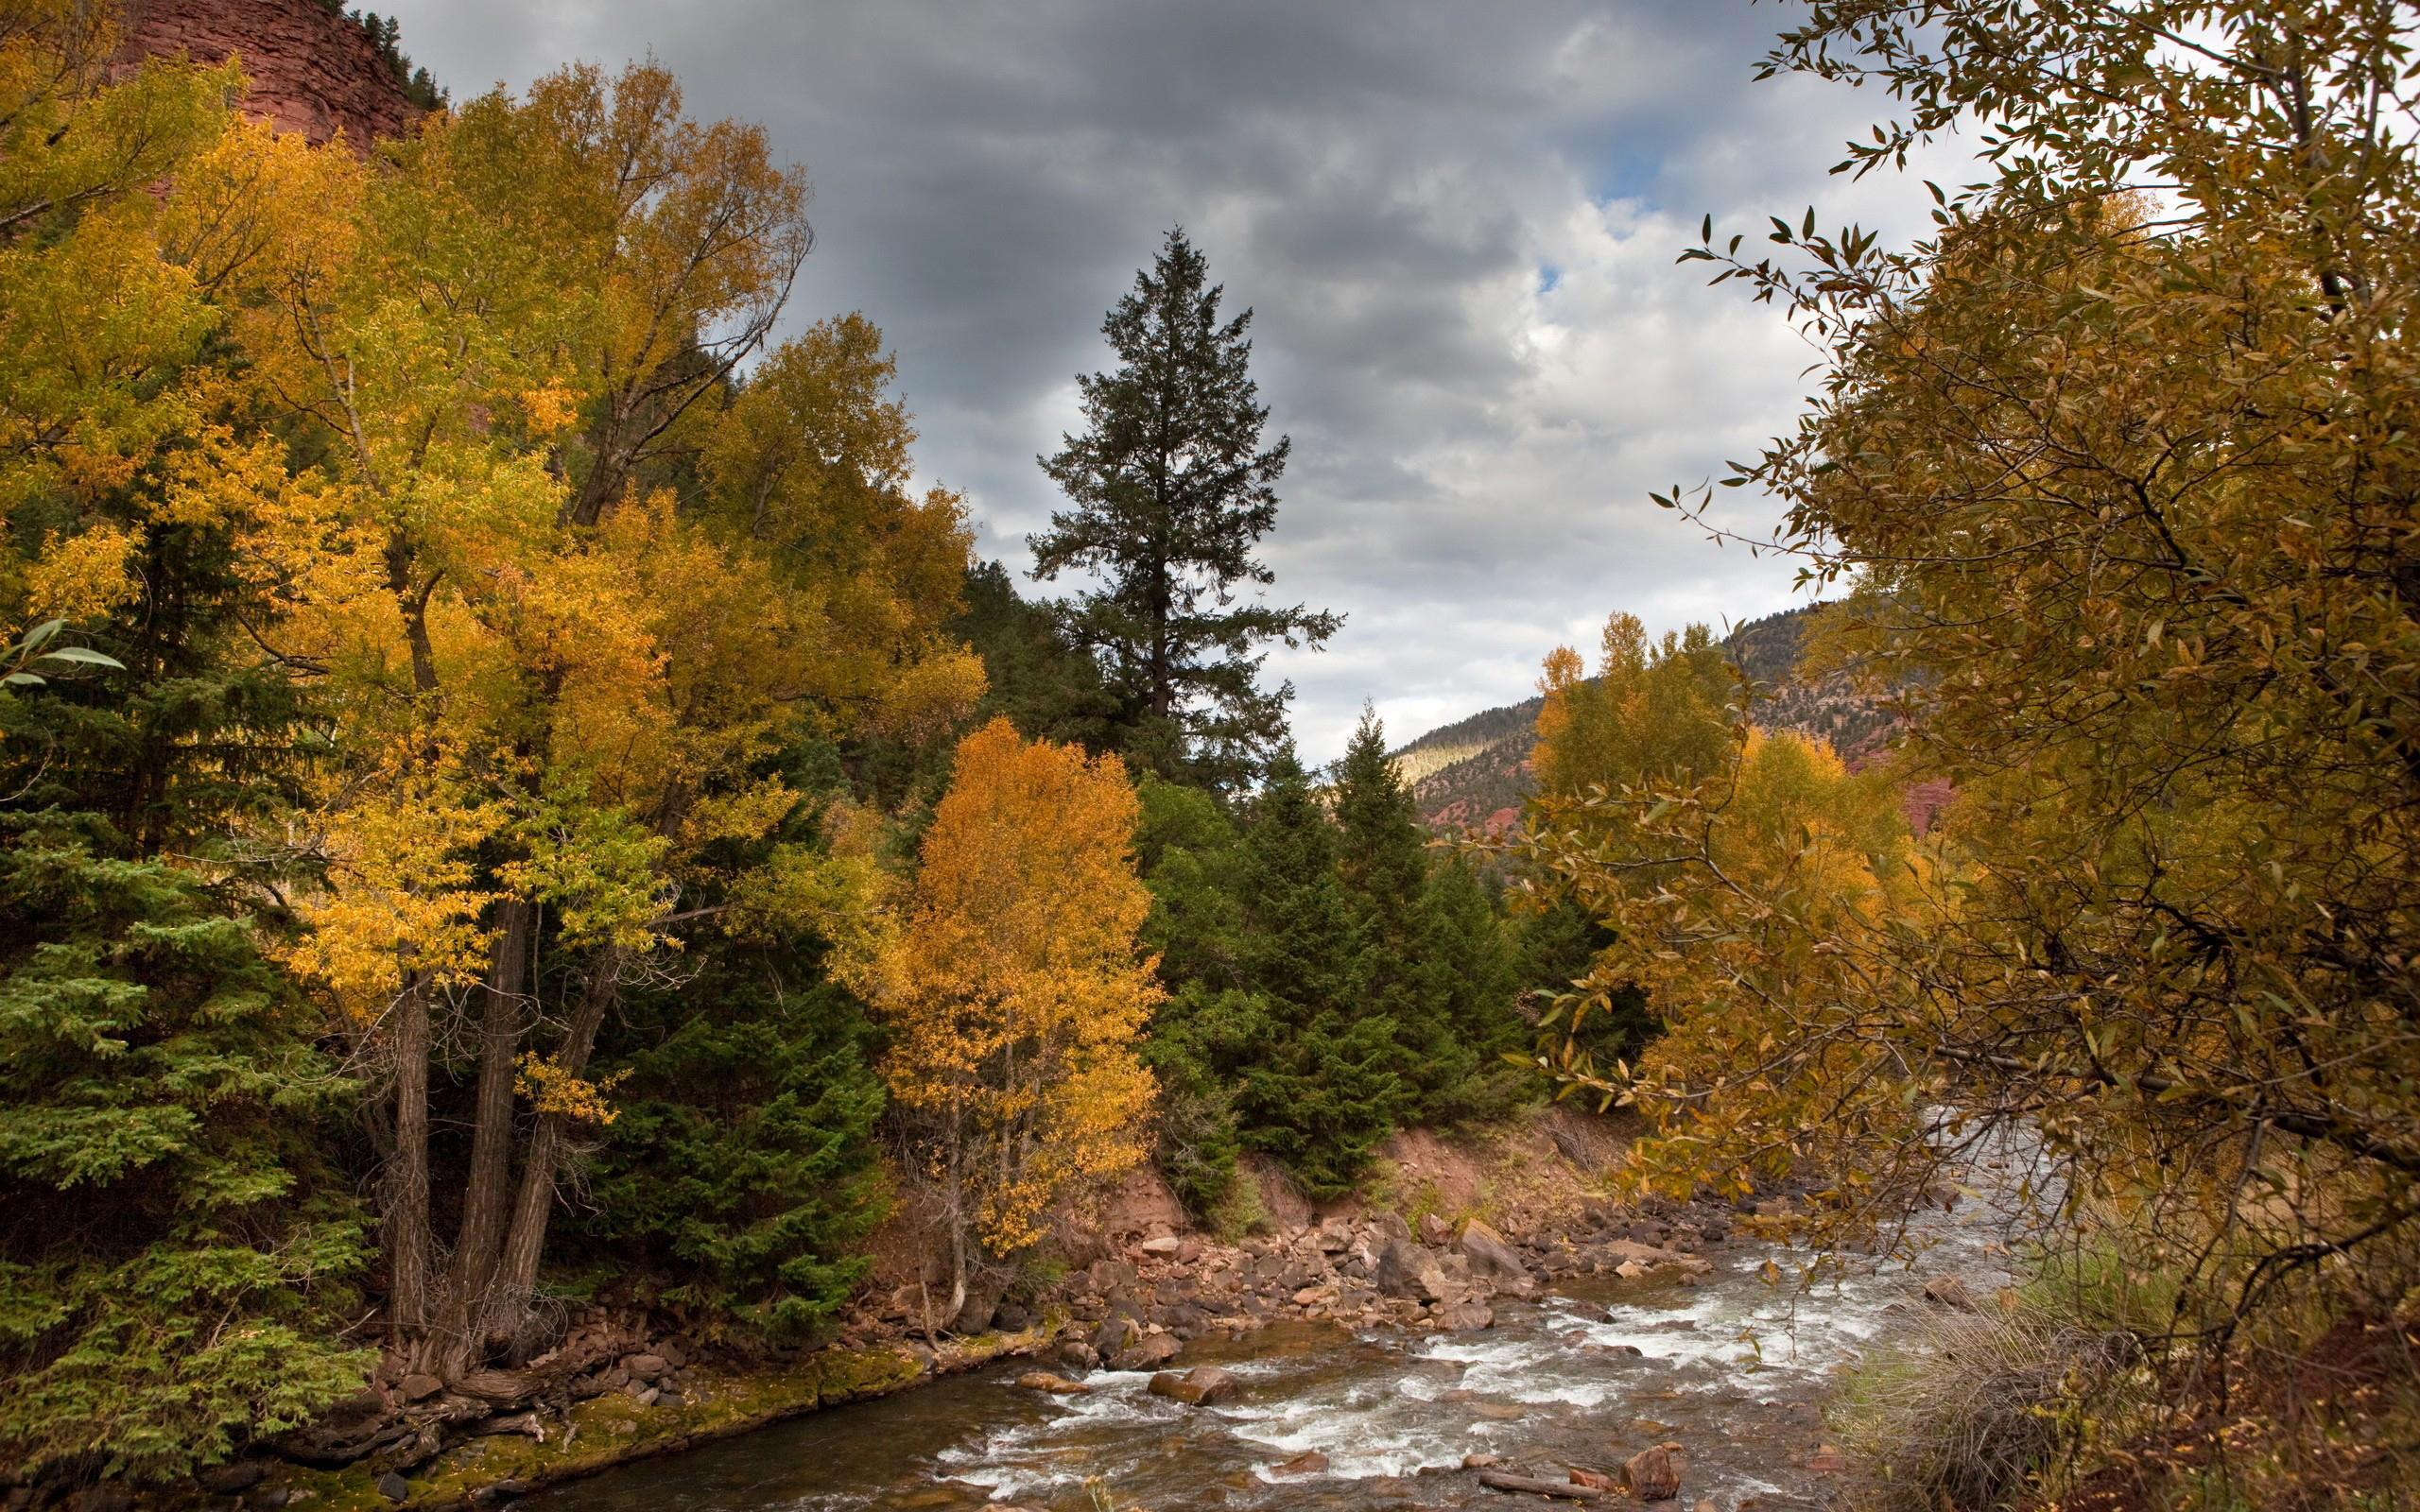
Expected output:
(1164, 1248)
(1150, 1350)
(1489, 1255)
(1462, 1316)
(1948, 1291)
(1309, 1462)
(1116, 1334)
(394, 1487)
(1078, 1354)
(1592, 1480)
(1652, 1474)
(1056, 1386)
(1404, 1269)
(1197, 1387)
(1482, 1461)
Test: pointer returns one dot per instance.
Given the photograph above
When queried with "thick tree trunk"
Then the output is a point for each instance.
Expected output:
(404, 1229)
(487, 1197)
(516, 1276)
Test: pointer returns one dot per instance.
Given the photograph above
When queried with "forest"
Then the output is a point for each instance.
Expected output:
(513, 801)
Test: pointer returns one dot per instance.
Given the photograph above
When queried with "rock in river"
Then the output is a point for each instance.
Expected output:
(1200, 1386)
(1654, 1474)
(1045, 1381)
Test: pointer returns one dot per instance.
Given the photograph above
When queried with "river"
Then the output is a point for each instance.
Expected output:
(1733, 1368)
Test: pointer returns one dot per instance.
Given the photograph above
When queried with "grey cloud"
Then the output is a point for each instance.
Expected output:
(1387, 184)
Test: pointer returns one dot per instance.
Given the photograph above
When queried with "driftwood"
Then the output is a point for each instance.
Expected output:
(1521, 1483)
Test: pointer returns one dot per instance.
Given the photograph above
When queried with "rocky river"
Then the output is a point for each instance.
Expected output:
(1350, 1400)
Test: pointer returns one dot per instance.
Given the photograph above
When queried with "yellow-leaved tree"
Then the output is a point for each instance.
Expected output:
(1014, 990)
(1721, 857)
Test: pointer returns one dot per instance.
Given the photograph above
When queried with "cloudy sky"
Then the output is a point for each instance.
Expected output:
(1456, 221)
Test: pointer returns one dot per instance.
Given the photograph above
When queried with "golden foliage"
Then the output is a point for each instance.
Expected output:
(1015, 990)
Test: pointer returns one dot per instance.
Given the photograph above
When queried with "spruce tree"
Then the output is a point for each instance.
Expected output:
(1171, 492)
(1324, 1087)
(177, 1254)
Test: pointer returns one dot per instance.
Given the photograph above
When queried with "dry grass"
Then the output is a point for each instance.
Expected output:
(1968, 1410)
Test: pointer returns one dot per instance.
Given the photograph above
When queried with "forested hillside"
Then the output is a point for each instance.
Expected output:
(1476, 771)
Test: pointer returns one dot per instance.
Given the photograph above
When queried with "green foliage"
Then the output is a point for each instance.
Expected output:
(1435, 959)
(1172, 492)
(175, 1251)
(740, 1177)
(1045, 684)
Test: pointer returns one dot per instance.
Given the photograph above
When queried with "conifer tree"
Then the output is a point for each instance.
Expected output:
(1324, 1087)
(1382, 862)
(1171, 491)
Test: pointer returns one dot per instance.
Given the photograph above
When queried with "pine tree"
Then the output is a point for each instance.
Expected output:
(1324, 1087)
(1382, 862)
(1171, 491)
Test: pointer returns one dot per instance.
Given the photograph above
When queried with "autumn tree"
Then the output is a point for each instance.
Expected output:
(560, 699)
(1171, 492)
(2117, 462)
(1015, 992)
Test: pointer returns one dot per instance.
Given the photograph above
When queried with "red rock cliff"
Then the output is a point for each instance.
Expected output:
(312, 70)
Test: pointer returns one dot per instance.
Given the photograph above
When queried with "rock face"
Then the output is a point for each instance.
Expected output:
(312, 71)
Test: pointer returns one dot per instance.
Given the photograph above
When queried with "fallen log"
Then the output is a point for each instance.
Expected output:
(1502, 1482)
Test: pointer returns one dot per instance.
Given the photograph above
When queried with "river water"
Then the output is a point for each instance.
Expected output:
(1733, 1368)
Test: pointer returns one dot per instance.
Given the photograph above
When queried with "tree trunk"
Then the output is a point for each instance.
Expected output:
(404, 1225)
(487, 1197)
(516, 1276)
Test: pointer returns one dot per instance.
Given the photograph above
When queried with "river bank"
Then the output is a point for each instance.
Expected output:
(614, 1393)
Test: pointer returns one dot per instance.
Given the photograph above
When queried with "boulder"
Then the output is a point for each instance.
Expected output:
(1404, 1269)
(1164, 1248)
(1482, 1461)
(419, 1387)
(974, 1315)
(1150, 1350)
(1056, 1386)
(1652, 1474)
(1197, 1387)
(394, 1487)
(1078, 1355)
(1309, 1462)
(1592, 1480)
(1110, 1277)
(1948, 1291)
(1433, 1229)
(1462, 1316)
(1116, 1334)
(646, 1367)
(1012, 1317)
(1489, 1255)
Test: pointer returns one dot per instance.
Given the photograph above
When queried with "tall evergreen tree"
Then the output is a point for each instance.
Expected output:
(1324, 1087)
(1171, 492)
